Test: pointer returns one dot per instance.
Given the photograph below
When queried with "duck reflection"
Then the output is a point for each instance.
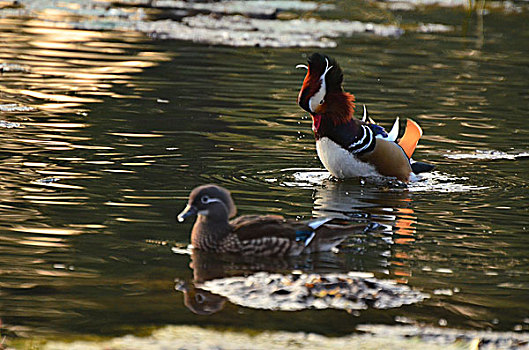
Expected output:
(389, 206)
(207, 266)
(199, 301)
(292, 291)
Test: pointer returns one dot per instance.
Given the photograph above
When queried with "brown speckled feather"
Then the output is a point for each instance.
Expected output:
(267, 235)
(250, 227)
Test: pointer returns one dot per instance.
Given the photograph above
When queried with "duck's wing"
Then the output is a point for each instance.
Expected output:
(408, 142)
(355, 136)
(269, 235)
(411, 137)
(274, 235)
(250, 227)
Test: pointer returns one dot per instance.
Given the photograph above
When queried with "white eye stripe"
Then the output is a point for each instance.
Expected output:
(319, 96)
(207, 200)
(327, 68)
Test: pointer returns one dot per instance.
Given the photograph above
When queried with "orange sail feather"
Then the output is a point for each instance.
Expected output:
(411, 137)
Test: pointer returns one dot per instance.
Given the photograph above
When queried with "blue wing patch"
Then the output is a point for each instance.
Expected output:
(378, 130)
(305, 236)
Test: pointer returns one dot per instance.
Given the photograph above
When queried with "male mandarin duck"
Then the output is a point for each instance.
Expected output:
(346, 146)
(268, 235)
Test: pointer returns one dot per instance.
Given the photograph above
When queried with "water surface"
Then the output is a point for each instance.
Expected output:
(106, 132)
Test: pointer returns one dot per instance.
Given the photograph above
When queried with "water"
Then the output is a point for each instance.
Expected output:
(108, 131)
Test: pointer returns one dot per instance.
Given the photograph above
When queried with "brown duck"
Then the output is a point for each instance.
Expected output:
(349, 147)
(268, 235)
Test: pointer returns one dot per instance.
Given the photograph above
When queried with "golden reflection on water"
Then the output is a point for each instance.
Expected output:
(48, 231)
(61, 73)
(70, 67)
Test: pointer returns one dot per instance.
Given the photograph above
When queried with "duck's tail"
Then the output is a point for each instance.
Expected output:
(420, 167)
(334, 232)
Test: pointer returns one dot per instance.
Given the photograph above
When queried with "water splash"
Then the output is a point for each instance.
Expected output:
(307, 177)
(440, 182)
(426, 182)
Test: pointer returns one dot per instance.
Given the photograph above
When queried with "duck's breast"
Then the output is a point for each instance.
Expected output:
(340, 162)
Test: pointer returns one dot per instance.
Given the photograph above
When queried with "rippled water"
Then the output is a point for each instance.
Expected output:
(104, 133)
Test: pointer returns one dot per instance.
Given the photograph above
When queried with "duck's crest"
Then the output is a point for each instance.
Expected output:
(334, 77)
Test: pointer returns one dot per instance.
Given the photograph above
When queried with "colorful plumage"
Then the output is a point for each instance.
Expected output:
(255, 235)
(346, 146)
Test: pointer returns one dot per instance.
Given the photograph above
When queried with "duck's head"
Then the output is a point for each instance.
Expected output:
(210, 201)
(322, 93)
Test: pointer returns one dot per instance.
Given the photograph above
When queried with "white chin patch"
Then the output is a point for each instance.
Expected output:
(204, 212)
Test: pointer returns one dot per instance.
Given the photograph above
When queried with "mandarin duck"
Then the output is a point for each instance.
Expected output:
(255, 235)
(349, 147)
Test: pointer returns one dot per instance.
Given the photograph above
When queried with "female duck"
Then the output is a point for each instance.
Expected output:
(268, 235)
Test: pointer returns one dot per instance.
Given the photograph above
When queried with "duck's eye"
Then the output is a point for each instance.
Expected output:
(200, 298)
(205, 199)
(322, 101)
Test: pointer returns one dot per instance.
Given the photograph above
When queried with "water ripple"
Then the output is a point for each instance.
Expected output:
(488, 155)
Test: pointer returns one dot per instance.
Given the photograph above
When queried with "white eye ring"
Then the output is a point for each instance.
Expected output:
(322, 102)
(205, 199)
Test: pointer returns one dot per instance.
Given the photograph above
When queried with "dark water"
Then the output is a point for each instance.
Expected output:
(111, 130)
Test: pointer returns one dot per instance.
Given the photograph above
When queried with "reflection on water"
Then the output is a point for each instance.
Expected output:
(303, 282)
(104, 133)
(391, 208)
(51, 153)
(68, 68)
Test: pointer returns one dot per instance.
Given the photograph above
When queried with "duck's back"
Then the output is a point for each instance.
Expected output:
(256, 226)
(267, 235)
